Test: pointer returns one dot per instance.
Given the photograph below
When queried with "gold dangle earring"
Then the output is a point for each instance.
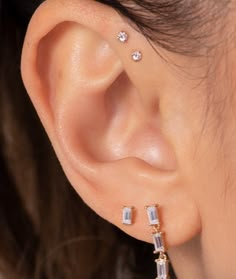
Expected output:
(158, 240)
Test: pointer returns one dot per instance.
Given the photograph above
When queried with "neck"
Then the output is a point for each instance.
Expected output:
(186, 260)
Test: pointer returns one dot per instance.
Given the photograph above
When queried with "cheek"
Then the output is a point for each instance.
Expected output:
(213, 184)
(205, 138)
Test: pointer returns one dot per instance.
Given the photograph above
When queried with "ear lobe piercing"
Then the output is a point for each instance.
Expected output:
(123, 37)
(153, 215)
(162, 262)
(158, 237)
(128, 215)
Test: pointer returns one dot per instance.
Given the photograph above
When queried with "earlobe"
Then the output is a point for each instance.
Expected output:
(94, 110)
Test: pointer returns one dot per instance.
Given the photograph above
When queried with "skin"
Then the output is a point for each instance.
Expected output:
(142, 133)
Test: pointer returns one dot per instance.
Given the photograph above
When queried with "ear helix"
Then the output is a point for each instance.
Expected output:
(123, 37)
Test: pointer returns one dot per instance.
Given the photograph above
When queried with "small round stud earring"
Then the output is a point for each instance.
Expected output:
(123, 37)
(137, 56)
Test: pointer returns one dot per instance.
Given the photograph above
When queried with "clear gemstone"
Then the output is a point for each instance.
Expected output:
(123, 37)
(162, 268)
(153, 215)
(127, 215)
(137, 56)
(158, 242)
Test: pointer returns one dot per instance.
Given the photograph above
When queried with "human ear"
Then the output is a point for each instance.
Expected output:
(101, 115)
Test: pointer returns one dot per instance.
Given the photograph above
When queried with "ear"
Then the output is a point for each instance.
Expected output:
(102, 117)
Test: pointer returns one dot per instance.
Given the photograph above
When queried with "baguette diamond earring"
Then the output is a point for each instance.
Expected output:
(162, 262)
(127, 216)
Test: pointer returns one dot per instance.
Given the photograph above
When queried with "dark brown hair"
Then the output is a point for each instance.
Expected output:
(46, 231)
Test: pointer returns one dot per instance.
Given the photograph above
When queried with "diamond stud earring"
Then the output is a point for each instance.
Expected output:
(137, 56)
(162, 262)
(123, 37)
(128, 215)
